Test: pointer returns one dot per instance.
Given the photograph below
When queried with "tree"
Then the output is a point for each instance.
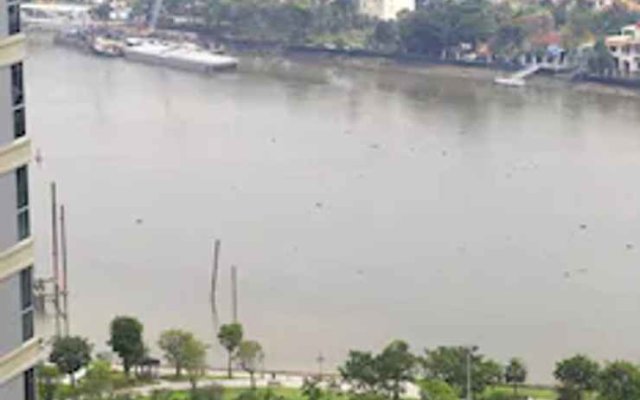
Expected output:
(577, 375)
(230, 337)
(394, 367)
(450, 365)
(48, 381)
(620, 380)
(311, 388)
(515, 374)
(102, 11)
(385, 36)
(70, 354)
(435, 389)
(126, 341)
(360, 371)
(173, 343)
(250, 355)
(600, 61)
(489, 371)
(98, 381)
(195, 360)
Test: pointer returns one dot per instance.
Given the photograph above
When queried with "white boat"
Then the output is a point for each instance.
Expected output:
(106, 47)
(177, 55)
(509, 81)
(518, 79)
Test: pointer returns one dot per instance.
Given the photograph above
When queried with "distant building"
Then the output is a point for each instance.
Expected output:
(601, 5)
(625, 49)
(19, 348)
(386, 9)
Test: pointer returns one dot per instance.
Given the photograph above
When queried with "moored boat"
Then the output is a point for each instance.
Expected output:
(186, 56)
(107, 47)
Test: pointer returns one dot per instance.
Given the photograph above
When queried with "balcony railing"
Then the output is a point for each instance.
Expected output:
(14, 155)
(16, 258)
(20, 360)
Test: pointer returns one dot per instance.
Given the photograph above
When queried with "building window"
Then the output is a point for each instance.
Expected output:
(19, 128)
(27, 325)
(26, 302)
(26, 288)
(14, 19)
(17, 84)
(22, 186)
(24, 229)
(29, 385)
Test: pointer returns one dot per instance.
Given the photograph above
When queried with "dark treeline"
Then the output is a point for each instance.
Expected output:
(439, 28)
(442, 373)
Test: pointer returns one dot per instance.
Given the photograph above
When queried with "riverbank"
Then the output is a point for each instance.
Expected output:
(423, 68)
(273, 54)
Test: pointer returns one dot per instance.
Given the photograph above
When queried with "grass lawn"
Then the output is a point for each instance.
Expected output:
(232, 393)
(534, 392)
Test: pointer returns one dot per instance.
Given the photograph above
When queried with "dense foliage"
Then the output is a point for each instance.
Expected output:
(70, 354)
(577, 375)
(449, 364)
(438, 28)
(383, 373)
(126, 341)
(230, 337)
(174, 343)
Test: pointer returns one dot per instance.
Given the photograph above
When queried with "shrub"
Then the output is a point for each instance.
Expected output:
(214, 392)
(435, 389)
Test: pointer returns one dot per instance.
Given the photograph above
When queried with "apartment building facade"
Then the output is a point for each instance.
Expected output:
(19, 347)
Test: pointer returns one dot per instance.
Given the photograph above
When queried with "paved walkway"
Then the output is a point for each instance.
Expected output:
(241, 380)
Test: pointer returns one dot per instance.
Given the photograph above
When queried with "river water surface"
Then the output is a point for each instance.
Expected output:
(358, 207)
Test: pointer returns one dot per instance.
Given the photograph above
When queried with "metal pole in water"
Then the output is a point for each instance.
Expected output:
(214, 282)
(65, 281)
(234, 293)
(54, 258)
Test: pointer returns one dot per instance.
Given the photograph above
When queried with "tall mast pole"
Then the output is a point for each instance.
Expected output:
(214, 283)
(234, 293)
(54, 258)
(65, 281)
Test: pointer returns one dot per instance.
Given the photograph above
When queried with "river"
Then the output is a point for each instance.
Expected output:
(358, 206)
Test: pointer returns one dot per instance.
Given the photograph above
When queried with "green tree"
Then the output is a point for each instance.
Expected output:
(250, 356)
(311, 388)
(360, 371)
(102, 11)
(600, 61)
(450, 365)
(620, 380)
(395, 366)
(577, 375)
(230, 337)
(48, 381)
(126, 341)
(435, 389)
(70, 354)
(515, 374)
(195, 360)
(173, 344)
(98, 381)
(385, 37)
(490, 372)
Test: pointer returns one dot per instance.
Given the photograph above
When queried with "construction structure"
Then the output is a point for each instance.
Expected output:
(53, 291)
(20, 348)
